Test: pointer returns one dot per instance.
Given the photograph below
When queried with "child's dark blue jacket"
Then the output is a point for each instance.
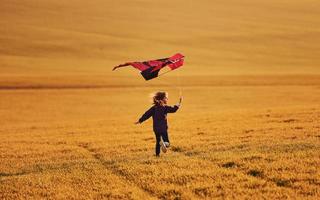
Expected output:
(159, 115)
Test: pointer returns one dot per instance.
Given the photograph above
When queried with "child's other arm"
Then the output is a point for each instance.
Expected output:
(173, 109)
(146, 115)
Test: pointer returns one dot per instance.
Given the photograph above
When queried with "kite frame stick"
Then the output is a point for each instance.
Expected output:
(165, 72)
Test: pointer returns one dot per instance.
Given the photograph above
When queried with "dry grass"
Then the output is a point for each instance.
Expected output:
(249, 125)
(227, 142)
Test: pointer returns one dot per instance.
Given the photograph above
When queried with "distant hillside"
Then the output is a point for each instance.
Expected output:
(232, 37)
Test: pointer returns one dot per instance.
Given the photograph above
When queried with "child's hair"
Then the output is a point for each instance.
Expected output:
(158, 98)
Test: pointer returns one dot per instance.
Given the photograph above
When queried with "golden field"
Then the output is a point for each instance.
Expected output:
(248, 127)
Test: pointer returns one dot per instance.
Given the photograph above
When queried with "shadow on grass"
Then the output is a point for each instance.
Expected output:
(229, 165)
(282, 182)
(255, 173)
(3, 174)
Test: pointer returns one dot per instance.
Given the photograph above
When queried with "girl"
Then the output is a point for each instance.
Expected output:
(159, 114)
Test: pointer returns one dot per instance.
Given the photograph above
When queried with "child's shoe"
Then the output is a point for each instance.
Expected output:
(167, 144)
(163, 146)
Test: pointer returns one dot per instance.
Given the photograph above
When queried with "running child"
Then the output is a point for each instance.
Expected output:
(159, 112)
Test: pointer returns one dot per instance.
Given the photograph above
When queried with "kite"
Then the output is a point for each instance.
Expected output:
(150, 69)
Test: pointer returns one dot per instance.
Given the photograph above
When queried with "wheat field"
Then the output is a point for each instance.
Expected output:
(248, 127)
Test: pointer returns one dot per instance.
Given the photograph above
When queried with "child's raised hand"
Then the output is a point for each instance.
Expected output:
(180, 100)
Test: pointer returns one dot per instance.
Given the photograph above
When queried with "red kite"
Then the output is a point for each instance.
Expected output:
(150, 69)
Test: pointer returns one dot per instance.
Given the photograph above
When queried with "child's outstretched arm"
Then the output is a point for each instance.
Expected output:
(146, 115)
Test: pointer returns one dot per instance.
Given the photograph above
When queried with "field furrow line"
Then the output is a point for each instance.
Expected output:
(250, 173)
(114, 169)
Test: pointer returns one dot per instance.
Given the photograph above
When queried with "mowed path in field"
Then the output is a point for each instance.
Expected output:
(228, 141)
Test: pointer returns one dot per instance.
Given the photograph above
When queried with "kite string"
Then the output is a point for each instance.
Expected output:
(179, 84)
(179, 87)
(164, 72)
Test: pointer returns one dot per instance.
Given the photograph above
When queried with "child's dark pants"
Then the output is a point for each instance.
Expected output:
(165, 138)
